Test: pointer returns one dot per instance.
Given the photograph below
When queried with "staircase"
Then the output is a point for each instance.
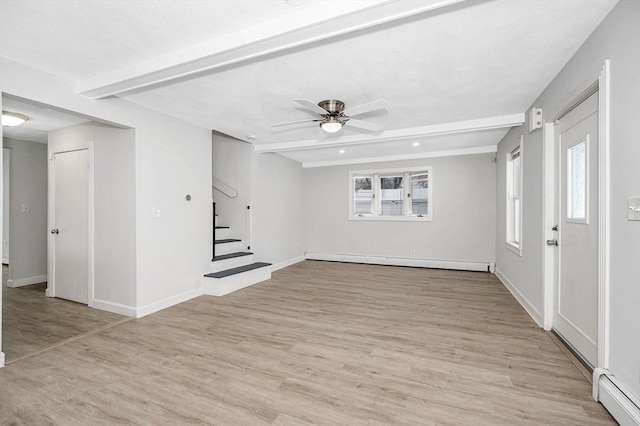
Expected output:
(232, 269)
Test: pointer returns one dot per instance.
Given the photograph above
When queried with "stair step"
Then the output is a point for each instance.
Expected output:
(231, 255)
(227, 240)
(238, 270)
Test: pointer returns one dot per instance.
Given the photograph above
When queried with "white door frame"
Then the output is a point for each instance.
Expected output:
(51, 285)
(601, 84)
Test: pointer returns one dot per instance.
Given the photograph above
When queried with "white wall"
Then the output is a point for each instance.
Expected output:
(114, 207)
(232, 165)
(274, 188)
(463, 226)
(28, 231)
(6, 185)
(278, 209)
(617, 39)
(172, 159)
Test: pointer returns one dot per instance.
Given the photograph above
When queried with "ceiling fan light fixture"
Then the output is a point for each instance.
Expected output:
(12, 119)
(331, 125)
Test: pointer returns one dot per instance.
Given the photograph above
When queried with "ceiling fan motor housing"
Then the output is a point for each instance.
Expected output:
(332, 106)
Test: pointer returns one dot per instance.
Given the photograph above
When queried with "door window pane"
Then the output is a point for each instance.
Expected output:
(419, 194)
(363, 195)
(577, 181)
(392, 195)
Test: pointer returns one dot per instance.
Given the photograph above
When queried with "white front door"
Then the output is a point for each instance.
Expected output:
(576, 301)
(70, 225)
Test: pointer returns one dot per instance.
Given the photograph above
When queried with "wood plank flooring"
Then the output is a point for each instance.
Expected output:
(319, 344)
(32, 322)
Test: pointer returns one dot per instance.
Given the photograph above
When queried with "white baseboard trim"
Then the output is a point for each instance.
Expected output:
(403, 261)
(1, 359)
(618, 403)
(169, 301)
(286, 263)
(26, 281)
(115, 308)
(524, 302)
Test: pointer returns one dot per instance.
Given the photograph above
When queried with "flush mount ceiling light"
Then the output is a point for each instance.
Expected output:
(12, 119)
(331, 124)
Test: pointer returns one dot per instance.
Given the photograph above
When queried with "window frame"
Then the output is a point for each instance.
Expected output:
(514, 197)
(376, 174)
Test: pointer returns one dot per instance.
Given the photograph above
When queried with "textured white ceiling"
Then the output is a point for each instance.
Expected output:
(468, 60)
(42, 119)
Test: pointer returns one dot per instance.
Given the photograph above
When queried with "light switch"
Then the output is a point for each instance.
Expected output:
(155, 212)
(633, 208)
(25, 208)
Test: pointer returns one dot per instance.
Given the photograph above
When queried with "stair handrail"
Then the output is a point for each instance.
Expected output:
(226, 189)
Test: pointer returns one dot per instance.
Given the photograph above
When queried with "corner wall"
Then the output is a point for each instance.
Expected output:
(278, 209)
(172, 159)
(618, 39)
(114, 209)
(28, 230)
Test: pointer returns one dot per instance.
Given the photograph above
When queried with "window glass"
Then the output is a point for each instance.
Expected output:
(363, 195)
(577, 181)
(391, 195)
(419, 194)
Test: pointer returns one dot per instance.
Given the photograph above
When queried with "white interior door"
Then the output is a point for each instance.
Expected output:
(576, 301)
(70, 231)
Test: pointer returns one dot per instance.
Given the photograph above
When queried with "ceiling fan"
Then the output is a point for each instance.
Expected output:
(334, 116)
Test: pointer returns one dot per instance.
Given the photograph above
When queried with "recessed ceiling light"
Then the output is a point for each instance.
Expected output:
(341, 151)
(416, 144)
(12, 119)
(252, 137)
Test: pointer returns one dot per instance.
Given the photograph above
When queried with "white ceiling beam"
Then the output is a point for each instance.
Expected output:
(310, 24)
(432, 154)
(489, 123)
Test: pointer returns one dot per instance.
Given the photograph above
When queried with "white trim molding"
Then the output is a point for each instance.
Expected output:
(26, 281)
(303, 26)
(521, 298)
(615, 398)
(2, 359)
(115, 308)
(168, 302)
(286, 263)
(403, 261)
(455, 127)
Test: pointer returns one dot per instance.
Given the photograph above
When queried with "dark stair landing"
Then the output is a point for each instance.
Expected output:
(228, 240)
(232, 255)
(238, 270)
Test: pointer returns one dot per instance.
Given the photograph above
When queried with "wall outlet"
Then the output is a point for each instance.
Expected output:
(413, 253)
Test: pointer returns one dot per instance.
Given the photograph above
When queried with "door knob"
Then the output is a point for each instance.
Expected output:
(55, 231)
(552, 242)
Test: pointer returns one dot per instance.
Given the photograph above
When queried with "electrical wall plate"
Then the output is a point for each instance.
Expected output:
(633, 208)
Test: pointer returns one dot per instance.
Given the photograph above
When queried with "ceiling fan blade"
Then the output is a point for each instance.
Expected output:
(310, 106)
(366, 125)
(368, 107)
(286, 123)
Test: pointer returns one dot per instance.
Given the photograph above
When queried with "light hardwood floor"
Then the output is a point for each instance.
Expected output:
(32, 322)
(319, 344)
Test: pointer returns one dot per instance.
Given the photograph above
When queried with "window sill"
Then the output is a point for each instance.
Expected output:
(391, 218)
(514, 248)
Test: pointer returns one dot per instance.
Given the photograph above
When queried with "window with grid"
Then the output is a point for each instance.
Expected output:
(392, 194)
